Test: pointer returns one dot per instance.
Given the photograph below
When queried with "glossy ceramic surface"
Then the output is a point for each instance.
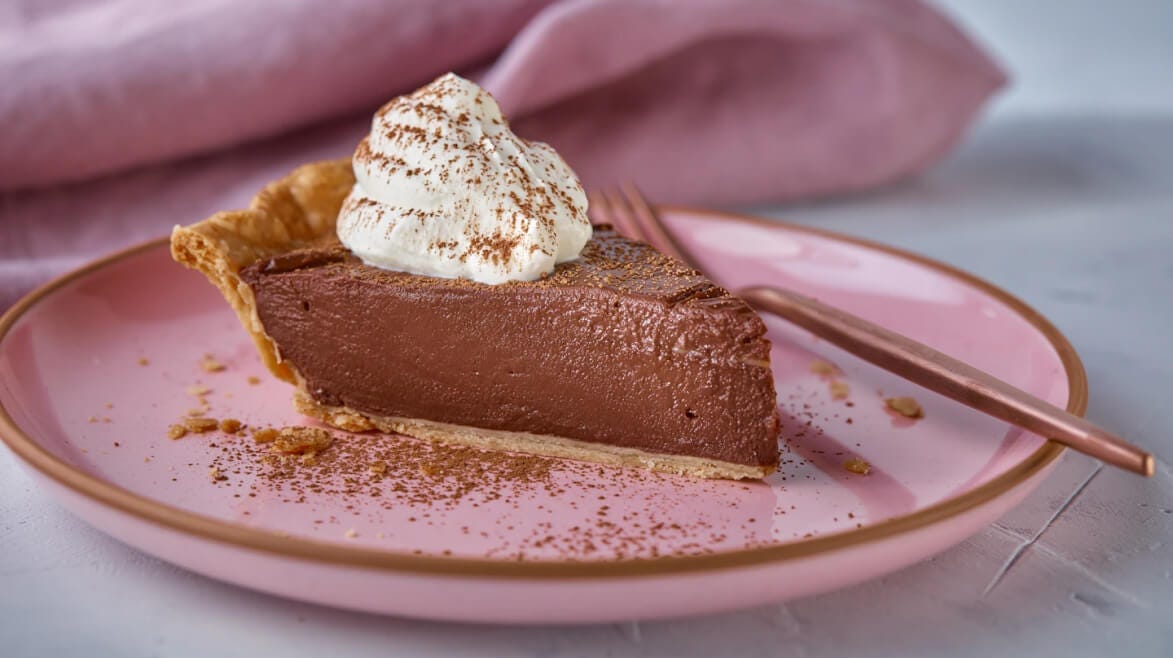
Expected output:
(94, 368)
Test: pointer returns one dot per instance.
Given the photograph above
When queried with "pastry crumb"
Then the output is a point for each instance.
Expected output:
(199, 425)
(264, 435)
(820, 367)
(378, 468)
(351, 534)
(839, 390)
(208, 363)
(215, 474)
(198, 390)
(230, 425)
(905, 406)
(301, 440)
(109, 405)
(93, 419)
(144, 361)
(857, 466)
(197, 411)
(253, 380)
(429, 470)
(176, 432)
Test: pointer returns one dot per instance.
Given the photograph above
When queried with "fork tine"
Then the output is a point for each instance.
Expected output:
(598, 210)
(621, 216)
(652, 225)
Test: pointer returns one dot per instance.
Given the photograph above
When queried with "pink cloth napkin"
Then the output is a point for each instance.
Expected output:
(123, 117)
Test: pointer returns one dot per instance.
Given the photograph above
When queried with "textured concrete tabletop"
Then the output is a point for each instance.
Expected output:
(1063, 195)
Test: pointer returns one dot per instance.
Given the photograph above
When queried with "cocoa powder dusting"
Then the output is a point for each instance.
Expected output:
(391, 473)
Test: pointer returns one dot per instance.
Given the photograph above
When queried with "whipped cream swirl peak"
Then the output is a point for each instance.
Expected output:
(444, 188)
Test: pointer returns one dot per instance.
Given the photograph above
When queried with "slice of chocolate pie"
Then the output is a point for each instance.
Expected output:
(611, 352)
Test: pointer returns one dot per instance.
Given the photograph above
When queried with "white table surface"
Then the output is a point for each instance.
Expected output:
(1063, 195)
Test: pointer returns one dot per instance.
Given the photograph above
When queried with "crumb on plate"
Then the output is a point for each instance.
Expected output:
(208, 363)
(840, 390)
(821, 367)
(857, 466)
(905, 406)
(301, 440)
(199, 425)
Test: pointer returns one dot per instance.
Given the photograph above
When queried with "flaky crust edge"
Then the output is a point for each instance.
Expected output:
(297, 211)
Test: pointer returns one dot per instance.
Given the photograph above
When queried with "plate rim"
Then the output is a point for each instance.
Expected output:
(172, 518)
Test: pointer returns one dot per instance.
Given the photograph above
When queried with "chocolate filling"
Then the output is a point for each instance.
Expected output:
(623, 346)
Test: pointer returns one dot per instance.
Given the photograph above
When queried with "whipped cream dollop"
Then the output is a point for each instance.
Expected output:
(444, 188)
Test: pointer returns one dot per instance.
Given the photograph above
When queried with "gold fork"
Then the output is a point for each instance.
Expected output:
(629, 212)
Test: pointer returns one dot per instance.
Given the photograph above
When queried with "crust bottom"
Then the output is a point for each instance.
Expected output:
(525, 442)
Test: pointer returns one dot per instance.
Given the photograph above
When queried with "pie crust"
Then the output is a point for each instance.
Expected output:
(299, 211)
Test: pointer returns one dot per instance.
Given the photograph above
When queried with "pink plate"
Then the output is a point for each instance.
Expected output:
(95, 367)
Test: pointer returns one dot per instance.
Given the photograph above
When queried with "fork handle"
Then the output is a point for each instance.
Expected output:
(947, 376)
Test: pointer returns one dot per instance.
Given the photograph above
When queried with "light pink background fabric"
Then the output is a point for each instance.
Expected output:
(121, 118)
